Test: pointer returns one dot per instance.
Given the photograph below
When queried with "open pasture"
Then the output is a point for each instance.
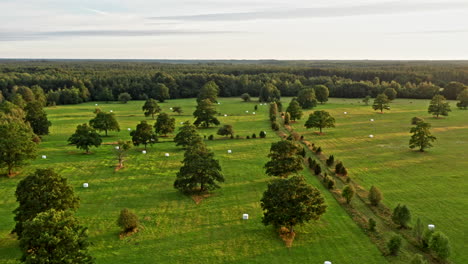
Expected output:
(175, 229)
(432, 184)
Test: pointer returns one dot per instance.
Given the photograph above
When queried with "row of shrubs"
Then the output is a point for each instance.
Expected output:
(262, 134)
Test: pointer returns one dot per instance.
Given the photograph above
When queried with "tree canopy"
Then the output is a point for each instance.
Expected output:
(421, 137)
(85, 137)
(143, 135)
(164, 124)
(306, 98)
(151, 108)
(381, 102)
(200, 172)
(161, 92)
(439, 106)
(322, 93)
(187, 135)
(37, 118)
(463, 98)
(209, 91)
(285, 159)
(288, 202)
(41, 191)
(205, 114)
(104, 122)
(320, 119)
(55, 237)
(226, 130)
(16, 144)
(269, 93)
(294, 110)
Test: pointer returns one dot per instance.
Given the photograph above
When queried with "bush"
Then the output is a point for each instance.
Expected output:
(330, 161)
(302, 137)
(329, 182)
(317, 170)
(318, 151)
(416, 120)
(375, 196)
(426, 237)
(237, 136)
(310, 161)
(124, 97)
(394, 245)
(254, 136)
(275, 126)
(372, 224)
(439, 244)
(418, 259)
(262, 134)
(248, 137)
(210, 137)
(338, 167)
(401, 216)
(343, 171)
(245, 97)
(348, 193)
(128, 221)
(272, 118)
(303, 152)
(287, 118)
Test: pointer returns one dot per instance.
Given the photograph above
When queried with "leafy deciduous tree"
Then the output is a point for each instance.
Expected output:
(288, 202)
(85, 137)
(439, 106)
(187, 135)
(381, 102)
(306, 98)
(177, 109)
(200, 172)
(104, 122)
(226, 130)
(54, 237)
(285, 159)
(375, 196)
(209, 91)
(295, 110)
(124, 97)
(151, 108)
(245, 97)
(164, 124)
(205, 114)
(401, 216)
(421, 137)
(161, 92)
(16, 144)
(143, 135)
(463, 98)
(320, 119)
(321, 92)
(348, 193)
(41, 191)
(37, 118)
(127, 220)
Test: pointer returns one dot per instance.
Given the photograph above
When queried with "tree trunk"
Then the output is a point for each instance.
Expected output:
(10, 168)
(106, 131)
(320, 130)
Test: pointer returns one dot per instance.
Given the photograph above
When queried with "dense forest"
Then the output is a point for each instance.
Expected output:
(76, 81)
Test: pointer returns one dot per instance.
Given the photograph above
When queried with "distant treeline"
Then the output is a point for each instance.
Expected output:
(71, 82)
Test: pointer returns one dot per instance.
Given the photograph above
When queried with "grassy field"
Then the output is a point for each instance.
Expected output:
(432, 184)
(175, 229)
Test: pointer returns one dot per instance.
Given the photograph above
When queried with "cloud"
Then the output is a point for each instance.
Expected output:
(385, 8)
(431, 32)
(24, 36)
(99, 12)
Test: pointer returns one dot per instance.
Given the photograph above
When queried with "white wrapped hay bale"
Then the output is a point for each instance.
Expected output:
(167, 154)
(431, 227)
(44, 156)
(85, 185)
(371, 136)
(144, 152)
(229, 151)
(245, 216)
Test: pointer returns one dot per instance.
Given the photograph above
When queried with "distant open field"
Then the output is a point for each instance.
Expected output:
(432, 184)
(176, 230)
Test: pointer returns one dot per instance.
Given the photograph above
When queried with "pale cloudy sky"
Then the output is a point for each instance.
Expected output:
(230, 29)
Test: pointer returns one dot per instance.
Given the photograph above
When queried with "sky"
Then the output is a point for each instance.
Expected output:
(235, 29)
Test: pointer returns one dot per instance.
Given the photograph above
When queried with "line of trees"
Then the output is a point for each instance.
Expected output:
(75, 82)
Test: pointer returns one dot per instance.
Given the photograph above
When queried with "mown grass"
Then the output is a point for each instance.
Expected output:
(175, 229)
(432, 184)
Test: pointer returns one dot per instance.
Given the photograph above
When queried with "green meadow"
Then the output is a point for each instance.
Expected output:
(176, 230)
